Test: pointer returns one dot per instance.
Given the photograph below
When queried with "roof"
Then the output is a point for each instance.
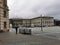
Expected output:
(42, 17)
(32, 18)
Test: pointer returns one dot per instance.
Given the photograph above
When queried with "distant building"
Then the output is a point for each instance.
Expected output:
(20, 22)
(57, 22)
(43, 21)
(35, 22)
(4, 15)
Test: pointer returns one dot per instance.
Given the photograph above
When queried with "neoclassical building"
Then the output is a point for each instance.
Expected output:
(4, 15)
(35, 22)
(42, 21)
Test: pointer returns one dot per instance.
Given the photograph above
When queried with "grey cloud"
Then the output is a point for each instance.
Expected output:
(34, 8)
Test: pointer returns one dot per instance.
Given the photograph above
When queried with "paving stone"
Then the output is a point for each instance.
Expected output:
(10, 38)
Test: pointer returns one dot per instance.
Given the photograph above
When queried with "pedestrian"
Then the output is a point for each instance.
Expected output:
(16, 29)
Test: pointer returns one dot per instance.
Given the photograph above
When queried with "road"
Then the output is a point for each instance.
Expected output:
(10, 38)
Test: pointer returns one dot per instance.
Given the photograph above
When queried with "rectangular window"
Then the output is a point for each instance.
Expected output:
(5, 25)
(4, 13)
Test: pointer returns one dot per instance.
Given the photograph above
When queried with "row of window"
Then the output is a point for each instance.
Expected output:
(44, 22)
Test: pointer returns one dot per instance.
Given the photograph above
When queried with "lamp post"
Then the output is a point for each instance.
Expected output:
(41, 25)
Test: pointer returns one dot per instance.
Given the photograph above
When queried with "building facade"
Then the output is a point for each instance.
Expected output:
(4, 15)
(57, 22)
(42, 21)
(35, 22)
(20, 22)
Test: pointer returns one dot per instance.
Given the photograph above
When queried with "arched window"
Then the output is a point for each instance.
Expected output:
(5, 25)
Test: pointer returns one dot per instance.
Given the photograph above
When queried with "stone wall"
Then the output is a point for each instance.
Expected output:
(4, 15)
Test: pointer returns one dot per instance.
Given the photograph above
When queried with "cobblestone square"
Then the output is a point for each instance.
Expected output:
(10, 38)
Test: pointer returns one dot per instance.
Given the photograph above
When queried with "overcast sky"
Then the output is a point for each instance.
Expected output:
(34, 8)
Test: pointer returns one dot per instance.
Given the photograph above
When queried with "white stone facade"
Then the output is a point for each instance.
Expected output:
(43, 21)
(36, 22)
(4, 15)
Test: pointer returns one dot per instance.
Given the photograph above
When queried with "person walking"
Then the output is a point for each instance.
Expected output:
(16, 29)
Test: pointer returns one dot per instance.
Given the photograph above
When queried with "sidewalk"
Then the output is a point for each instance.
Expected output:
(21, 39)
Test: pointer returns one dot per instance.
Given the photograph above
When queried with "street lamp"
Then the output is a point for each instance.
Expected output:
(41, 25)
